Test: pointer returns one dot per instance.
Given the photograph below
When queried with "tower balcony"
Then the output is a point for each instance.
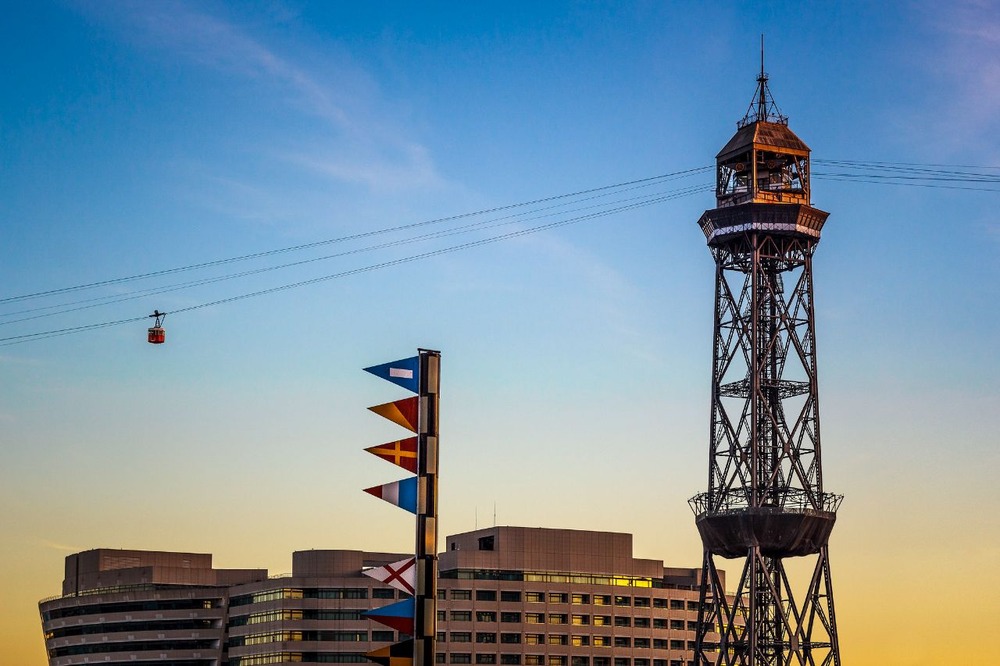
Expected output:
(795, 528)
(721, 224)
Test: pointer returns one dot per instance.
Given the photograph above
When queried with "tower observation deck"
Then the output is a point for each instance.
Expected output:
(766, 500)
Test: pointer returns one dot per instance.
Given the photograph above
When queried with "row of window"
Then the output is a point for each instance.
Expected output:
(551, 577)
(515, 596)
(557, 618)
(558, 660)
(312, 593)
(298, 614)
(576, 640)
(385, 636)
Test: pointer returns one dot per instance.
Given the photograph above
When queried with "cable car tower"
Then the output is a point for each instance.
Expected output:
(766, 502)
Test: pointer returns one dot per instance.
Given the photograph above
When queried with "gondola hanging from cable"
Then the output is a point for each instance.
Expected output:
(157, 335)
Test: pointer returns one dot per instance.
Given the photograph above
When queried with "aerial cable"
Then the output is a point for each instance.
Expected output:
(30, 337)
(476, 226)
(305, 246)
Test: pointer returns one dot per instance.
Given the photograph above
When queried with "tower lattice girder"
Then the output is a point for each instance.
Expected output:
(765, 501)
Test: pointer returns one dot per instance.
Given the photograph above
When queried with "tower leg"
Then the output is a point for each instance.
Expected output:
(763, 623)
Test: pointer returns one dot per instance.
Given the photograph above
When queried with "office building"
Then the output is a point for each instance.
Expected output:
(507, 595)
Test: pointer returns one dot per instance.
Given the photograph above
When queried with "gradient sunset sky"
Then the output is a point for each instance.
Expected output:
(143, 136)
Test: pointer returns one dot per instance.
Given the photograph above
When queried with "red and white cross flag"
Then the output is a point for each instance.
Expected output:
(401, 575)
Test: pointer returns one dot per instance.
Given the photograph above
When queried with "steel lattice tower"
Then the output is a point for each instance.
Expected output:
(765, 501)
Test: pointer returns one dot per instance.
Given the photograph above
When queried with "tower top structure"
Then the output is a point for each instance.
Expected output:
(763, 163)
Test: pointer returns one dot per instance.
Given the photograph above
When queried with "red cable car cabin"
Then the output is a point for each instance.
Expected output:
(157, 335)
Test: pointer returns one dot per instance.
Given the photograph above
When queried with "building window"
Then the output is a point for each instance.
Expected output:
(691, 645)
(486, 658)
(486, 616)
(510, 659)
(510, 617)
(461, 637)
(621, 661)
(383, 636)
(622, 600)
(659, 662)
(676, 604)
(659, 603)
(486, 637)
(641, 602)
(534, 660)
(602, 600)
(641, 643)
(659, 623)
(558, 639)
(461, 616)
(557, 618)
(486, 595)
(602, 641)
(640, 662)
(487, 543)
(557, 660)
(581, 598)
(442, 637)
(581, 619)
(642, 622)
(383, 594)
(659, 644)
(692, 625)
(510, 638)
(534, 597)
(441, 616)
(581, 641)
(602, 661)
(558, 598)
(677, 624)
(439, 658)
(692, 605)
(510, 595)
(461, 658)
(461, 595)
(602, 620)
(676, 645)
(534, 618)
(442, 594)
(622, 641)
(534, 639)
(623, 621)
(579, 661)
(676, 662)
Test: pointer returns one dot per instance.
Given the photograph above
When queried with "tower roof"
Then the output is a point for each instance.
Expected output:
(761, 134)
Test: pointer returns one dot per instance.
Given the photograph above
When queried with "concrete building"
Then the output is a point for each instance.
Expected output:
(506, 595)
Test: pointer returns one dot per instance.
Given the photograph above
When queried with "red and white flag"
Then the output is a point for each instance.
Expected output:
(401, 575)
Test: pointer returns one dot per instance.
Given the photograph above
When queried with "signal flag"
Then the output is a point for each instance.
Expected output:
(404, 372)
(402, 452)
(399, 615)
(398, 654)
(402, 493)
(401, 412)
(401, 575)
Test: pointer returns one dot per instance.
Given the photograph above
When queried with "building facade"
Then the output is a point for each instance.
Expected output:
(506, 595)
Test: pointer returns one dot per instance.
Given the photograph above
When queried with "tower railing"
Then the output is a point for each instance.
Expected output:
(792, 500)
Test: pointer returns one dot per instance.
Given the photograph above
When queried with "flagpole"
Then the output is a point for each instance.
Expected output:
(425, 620)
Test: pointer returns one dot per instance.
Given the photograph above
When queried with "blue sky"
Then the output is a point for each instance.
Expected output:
(143, 136)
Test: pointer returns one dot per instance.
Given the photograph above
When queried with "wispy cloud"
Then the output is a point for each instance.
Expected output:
(55, 545)
(358, 141)
(966, 64)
